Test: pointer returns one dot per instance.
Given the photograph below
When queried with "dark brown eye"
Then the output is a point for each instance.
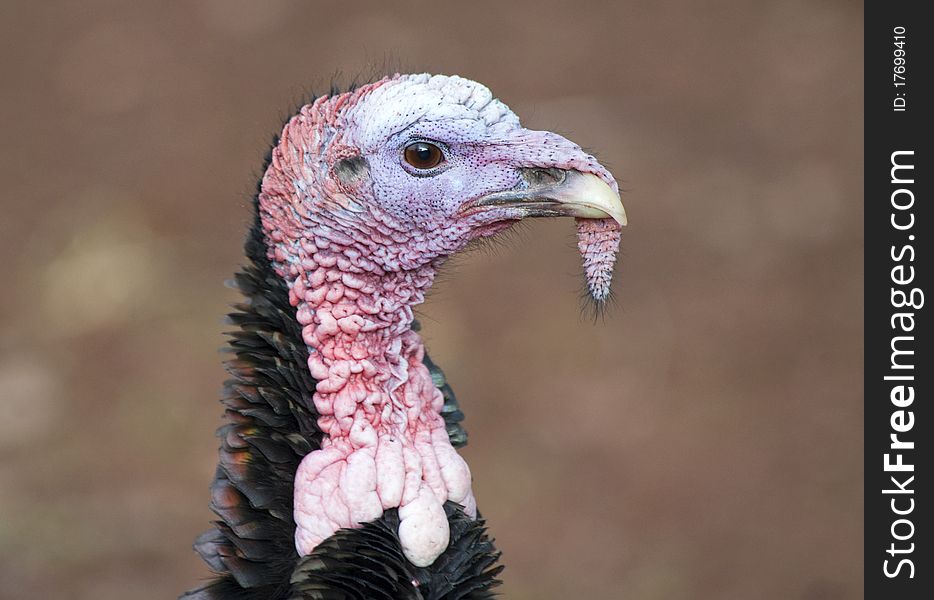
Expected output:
(423, 155)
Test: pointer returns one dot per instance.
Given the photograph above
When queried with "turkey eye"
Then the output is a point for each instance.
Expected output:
(423, 155)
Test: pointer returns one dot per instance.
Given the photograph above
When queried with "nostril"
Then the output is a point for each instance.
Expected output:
(541, 176)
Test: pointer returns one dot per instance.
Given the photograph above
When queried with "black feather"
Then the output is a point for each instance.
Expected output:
(368, 563)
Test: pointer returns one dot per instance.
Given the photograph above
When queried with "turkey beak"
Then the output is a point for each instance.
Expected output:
(556, 192)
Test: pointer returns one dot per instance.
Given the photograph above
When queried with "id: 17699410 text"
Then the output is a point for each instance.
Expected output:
(899, 68)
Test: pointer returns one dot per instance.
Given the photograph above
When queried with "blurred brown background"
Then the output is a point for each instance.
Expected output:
(703, 441)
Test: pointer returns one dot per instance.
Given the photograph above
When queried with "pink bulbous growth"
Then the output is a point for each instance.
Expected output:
(386, 445)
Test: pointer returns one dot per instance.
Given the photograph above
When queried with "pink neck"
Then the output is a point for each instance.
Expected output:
(386, 445)
(358, 328)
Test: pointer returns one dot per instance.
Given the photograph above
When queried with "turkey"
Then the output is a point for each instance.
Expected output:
(338, 475)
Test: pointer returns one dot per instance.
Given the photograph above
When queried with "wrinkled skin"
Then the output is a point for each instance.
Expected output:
(358, 234)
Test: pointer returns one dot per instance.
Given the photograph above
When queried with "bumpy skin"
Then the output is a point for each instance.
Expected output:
(271, 425)
(348, 239)
(386, 445)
